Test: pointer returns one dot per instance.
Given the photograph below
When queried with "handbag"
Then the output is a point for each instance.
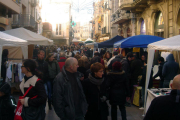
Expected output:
(19, 107)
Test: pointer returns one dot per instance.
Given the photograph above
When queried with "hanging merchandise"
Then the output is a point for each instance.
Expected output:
(14, 73)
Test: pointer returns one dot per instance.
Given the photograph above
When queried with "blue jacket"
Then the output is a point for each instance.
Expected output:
(170, 68)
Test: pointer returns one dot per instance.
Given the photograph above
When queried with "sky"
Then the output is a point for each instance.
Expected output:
(82, 10)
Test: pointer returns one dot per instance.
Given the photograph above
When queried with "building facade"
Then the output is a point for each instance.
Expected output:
(58, 13)
(29, 16)
(76, 31)
(101, 22)
(85, 31)
(146, 17)
(7, 9)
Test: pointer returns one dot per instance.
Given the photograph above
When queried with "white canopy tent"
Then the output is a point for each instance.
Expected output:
(11, 41)
(31, 37)
(169, 44)
(89, 39)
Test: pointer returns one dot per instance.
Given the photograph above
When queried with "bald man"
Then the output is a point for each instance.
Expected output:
(166, 107)
(68, 97)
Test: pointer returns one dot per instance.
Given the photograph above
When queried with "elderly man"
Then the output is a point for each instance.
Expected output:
(166, 107)
(68, 97)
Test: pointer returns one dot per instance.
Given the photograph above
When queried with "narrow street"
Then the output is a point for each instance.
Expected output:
(133, 112)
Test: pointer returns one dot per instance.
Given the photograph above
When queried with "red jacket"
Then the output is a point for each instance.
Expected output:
(61, 62)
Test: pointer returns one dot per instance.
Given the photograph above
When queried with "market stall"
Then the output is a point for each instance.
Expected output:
(89, 40)
(169, 44)
(31, 37)
(76, 42)
(93, 46)
(153, 93)
(138, 41)
(109, 43)
(14, 45)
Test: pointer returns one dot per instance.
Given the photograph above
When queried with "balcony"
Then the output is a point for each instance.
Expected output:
(24, 20)
(121, 16)
(34, 3)
(4, 20)
(132, 4)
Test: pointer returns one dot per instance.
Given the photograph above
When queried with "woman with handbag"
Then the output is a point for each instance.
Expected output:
(54, 70)
(35, 95)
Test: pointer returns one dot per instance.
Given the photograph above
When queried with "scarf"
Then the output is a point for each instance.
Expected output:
(95, 81)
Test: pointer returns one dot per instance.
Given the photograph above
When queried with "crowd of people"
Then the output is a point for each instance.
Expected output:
(78, 83)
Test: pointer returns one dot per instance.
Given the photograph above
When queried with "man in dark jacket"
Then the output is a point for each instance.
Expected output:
(43, 67)
(117, 58)
(126, 63)
(7, 103)
(159, 73)
(69, 99)
(170, 70)
(136, 70)
(166, 107)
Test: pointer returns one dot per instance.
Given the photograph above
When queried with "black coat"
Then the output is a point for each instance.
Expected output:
(63, 97)
(119, 87)
(164, 108)
(7, 108)
(43, 67)
(37, 90)
(136, 70)
(7, 103)
(96, 106)
(117, 58)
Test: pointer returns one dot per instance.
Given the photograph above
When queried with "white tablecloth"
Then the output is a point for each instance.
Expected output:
(150, 97)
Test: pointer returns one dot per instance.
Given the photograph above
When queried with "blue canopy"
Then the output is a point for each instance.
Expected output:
(109, 43)
(141, 41)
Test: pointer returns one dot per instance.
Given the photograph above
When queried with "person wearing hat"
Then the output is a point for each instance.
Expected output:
(7, 103)
(119, 90)
(166, 107)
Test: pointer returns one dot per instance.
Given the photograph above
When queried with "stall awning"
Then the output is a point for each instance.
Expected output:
(29, 36)
(141, 41)
(171, 44)
(109, 43)
(8, 40)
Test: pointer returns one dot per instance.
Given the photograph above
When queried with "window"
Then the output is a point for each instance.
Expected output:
(58, 29)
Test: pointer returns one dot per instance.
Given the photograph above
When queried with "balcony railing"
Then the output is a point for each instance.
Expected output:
(24, 20)
(126, 2)
(120, 16)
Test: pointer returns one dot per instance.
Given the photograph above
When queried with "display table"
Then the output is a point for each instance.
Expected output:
(151, 95)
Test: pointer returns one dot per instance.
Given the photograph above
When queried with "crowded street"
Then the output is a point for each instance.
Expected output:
(89, 59)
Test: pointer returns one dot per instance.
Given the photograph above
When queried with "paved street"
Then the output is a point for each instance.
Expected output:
(133, 113)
